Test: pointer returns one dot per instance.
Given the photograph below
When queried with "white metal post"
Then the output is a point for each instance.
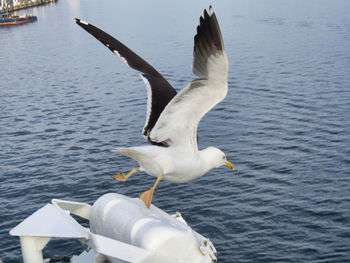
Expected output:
(32, 248)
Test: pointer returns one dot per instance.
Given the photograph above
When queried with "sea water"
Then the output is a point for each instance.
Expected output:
(66, 102)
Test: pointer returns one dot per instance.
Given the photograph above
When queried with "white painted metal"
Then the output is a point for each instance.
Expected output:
(76, 208)
(117, 251)
(37, 230)
(32, 248)
(88, 257)
(128, 220)
(50, 221)
(122, 229)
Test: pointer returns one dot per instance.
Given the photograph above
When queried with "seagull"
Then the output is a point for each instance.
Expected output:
(172, 118)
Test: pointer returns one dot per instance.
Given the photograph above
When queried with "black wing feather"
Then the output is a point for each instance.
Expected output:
(162, 91)
(207, 42)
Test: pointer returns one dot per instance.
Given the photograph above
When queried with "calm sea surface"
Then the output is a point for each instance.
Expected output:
(66, 102)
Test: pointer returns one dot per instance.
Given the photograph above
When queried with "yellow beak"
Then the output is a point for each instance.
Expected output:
(230, 165)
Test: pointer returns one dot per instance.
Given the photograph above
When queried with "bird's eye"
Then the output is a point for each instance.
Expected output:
(224, 157)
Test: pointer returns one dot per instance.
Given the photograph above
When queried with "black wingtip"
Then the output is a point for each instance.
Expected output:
(206, 15)
(81, 22)
(208, 41)
(210, 11)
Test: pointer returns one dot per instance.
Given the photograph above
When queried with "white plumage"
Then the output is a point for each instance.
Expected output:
(172, 119)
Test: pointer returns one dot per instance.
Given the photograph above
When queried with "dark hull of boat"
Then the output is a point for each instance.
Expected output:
(17, 21)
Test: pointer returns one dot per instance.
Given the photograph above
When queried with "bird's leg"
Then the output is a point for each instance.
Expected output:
(122, 177)
(146, 197)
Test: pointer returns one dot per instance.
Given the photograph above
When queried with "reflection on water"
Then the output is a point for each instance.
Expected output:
(66, 102)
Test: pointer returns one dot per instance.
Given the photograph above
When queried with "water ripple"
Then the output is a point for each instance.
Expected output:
(284, 124)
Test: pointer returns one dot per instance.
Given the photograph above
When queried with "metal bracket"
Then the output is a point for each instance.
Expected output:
(207, 248)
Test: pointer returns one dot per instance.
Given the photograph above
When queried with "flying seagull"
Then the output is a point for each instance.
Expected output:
(172, 118)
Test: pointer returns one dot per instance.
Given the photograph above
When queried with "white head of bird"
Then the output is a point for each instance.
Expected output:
(214, 158)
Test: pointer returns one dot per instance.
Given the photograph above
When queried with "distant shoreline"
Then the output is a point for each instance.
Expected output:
(24, 5)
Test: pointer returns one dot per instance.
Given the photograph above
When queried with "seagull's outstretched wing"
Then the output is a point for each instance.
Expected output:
(160, 92)
(177, 125)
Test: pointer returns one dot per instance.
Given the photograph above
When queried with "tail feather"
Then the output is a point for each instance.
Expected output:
(134, 153)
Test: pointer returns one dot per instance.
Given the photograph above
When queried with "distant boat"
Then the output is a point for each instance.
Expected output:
(12, 20)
